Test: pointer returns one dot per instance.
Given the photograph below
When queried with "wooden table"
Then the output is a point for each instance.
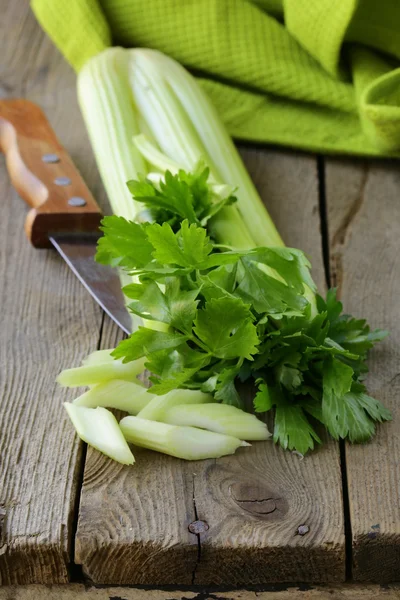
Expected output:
(68, 512)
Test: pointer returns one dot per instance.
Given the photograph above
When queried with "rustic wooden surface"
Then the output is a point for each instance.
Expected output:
(79, 592)
(133, 523)
(364, 230)
(47, 321)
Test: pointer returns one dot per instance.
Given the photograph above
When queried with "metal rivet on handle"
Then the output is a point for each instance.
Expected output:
(76, 201)
(50, 158)
(62, 181)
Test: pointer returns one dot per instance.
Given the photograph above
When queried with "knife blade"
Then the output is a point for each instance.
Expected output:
(63, 212)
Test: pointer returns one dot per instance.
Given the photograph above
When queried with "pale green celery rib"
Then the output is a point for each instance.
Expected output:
(106, 103)
(154, 156)
(116, 393)
(173, 86)
(188, 443)
(101, 372)
(221, 418)
(99, 428)
(155, 409)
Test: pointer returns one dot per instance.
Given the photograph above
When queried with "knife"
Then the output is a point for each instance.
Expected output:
(63, 212)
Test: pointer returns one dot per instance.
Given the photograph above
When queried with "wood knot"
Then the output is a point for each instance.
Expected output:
(198, 527)
(258, 500)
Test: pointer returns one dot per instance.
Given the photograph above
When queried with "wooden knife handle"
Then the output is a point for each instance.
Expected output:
(44, 175)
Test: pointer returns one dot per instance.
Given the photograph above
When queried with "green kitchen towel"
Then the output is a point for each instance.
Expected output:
(320, 75)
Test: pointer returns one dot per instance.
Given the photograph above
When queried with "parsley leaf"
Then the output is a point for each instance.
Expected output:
(148, 301)
(174, 196)
(266, 293)
(189, 247)
(174, 307)
(225, 326)
(292, 429)
(145, 341)
(181, 196)
(173, 368)
(263, 400)
(225, 387)
(124, 244)
(291, 264)
(337, 380)
(182, 305)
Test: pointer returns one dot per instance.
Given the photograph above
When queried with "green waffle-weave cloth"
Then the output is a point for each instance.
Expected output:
(321, 75)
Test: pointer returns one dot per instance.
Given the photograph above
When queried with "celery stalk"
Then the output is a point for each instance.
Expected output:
(98, 357)
(99, 428)
(188, 443)
(106, 103)
(117, 393)
(221, 418)
(93, 374)
(155, 409)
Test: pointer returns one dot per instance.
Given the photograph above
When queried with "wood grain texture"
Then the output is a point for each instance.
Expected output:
(79, 592)
(48, 322)
(133, 522)
(26, 137)
(363, 218)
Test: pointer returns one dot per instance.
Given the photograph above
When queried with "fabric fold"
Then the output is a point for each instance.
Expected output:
(308, 74)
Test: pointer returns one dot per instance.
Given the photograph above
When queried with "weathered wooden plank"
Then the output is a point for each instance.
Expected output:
(363, 218)
(133, 523)
(48, 322)
(79, 592)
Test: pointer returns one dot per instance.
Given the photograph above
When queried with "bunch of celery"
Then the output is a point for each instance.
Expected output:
(210, 266)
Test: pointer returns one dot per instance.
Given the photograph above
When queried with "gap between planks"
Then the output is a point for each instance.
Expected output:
(326, 255)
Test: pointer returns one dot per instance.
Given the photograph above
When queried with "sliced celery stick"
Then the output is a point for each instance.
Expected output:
(98, 357)
(93, 374)
(154, 410)
(116, 393)
(99, 428)
(189, 443)
(221, 418)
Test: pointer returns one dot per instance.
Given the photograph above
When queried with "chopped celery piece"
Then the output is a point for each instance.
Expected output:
(99, 428)
(155, 409)
(222, 418)
(116, 393)
(189, 443)
(93, 374)
(98, 357)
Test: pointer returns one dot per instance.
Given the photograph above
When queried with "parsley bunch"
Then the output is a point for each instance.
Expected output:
(238, 315)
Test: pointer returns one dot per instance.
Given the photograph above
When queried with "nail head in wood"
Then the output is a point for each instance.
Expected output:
(62, 181)
(303, 529)
(50, 158)
(77, 201)
(198, 527)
